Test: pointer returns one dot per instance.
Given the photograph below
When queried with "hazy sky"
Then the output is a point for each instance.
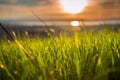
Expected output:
(51, 9)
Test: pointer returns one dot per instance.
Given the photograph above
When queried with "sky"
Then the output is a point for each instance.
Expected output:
(52, 10)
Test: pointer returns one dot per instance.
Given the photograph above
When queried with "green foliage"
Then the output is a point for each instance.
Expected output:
(83, 56)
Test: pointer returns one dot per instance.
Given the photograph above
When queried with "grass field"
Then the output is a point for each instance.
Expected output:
(83, 56)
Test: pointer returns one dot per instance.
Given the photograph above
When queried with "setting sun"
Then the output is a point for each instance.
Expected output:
(73, 6)
(75, 23)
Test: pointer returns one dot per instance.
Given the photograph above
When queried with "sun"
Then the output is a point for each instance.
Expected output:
(73, 6)
(75, 23)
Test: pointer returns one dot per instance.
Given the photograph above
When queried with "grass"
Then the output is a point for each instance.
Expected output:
(83, 56)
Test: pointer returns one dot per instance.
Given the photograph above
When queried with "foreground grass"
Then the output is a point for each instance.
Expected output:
(92, 56)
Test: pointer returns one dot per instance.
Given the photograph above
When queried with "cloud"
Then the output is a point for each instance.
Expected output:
(106, 3)
(24, 2)
(110, 3)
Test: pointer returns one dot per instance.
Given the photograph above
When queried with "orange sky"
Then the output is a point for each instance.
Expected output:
(51, 9)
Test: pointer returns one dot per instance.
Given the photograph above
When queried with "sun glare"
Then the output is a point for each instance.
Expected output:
(73, 6)
(75, 23)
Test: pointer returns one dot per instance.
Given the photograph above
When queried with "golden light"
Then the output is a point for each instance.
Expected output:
(75, 23)
(73, 6)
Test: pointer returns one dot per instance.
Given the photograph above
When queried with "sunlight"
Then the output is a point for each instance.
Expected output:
(73, 6)
(75, 23)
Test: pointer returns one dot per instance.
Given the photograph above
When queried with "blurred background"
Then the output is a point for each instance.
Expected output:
(59, 15)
